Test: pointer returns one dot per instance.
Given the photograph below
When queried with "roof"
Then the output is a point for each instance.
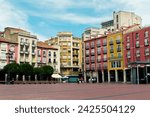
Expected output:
(41, 44)
(17, 29)
(7, 41)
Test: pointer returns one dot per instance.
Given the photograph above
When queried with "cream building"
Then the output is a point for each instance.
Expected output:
(27, 44)
(125, 19)
(70, 52)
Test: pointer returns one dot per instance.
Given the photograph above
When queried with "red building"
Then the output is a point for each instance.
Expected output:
(96, 59)
(137, 54)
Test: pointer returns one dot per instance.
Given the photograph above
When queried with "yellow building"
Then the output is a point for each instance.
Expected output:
(115, 55)
(70, 52)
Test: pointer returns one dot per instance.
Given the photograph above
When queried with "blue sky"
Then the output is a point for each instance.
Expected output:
(47, 17)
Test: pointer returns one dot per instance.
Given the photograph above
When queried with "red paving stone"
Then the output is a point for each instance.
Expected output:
(75, 92)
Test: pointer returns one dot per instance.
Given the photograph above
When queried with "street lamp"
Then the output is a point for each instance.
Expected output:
(9, 55)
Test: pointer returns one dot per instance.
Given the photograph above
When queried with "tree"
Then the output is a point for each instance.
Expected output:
(47, 71)
(12, 70)
(26, 69)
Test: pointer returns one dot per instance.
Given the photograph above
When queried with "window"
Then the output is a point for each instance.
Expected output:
(128, 54)
(147, 52)
(92, 52)
(146, 43)
(146, 34)
(105, 58)
(44, 53)
(98, 43)
(99, 59)
(111, 42)
(92, 44)
(128, 45)
(87, 60)
(99, 51)
(105, 50)
(117, 18)
(54, 54)
(104, 42)
(49, 53)
(137, 36)
(112, 56)
(128, 39)
(138, 53)
(49, 60)
(93, 59)
(119, 48)
(87, 52)
(119, 55)
(87, 45)
(111, 48)
(137, 44)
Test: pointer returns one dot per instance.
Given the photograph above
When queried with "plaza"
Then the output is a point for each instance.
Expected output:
(73, 91)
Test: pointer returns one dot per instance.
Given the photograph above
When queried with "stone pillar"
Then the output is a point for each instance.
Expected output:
(35, 77)
(124, 76)
(108, 76)
(116, 75)
(103, 80)
(23, 78)
(29, 78)
(17, 76)
(6, 78)
(97, 76)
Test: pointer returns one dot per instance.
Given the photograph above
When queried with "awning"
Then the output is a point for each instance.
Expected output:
(56, 76)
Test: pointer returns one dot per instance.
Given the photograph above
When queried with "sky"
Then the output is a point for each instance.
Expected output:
(45, 18)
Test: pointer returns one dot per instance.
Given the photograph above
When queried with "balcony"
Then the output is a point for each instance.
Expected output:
(98, 44)
(92, 61)
(33, 45)
(87, 54)
(118, 41)
(22, 51)
(75, 53)
(92, 53)
(118, 49)
(111, 42)
(105, 51)
(98, 52)
(27, 44)
(146, 43)
(104, 43)
(128, 47)
(98, 60)
(111, 50)
(146, 53)
(105, 59)
(33, 53)
(87, 61)
(22, 43)
(92, 46)
(137, 54)
(27, 52)
(87, 47)
(128, 56)
(75, 59)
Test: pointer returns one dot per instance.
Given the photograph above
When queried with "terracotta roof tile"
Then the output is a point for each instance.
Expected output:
(45, 45)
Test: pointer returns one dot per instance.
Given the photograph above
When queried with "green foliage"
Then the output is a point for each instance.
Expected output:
(26, 69)
(12, 68)
(47, 70)
(37, 70)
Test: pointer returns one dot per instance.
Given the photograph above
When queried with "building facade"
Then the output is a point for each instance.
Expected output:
(115, 57)
(8, 52)
(137, 54)
(96, 59)
(125, 19)
(70, 52)
(48, 55)
(27, 44)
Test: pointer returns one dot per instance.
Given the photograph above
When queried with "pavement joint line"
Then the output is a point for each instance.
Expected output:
(117, 95)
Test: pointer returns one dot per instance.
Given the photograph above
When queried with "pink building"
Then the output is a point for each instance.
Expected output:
(96, 59)
(137, 55)
(8, 52)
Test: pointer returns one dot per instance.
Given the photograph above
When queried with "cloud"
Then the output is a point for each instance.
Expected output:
(11, 16)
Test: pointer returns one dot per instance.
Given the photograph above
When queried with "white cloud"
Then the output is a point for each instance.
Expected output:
(11, 16)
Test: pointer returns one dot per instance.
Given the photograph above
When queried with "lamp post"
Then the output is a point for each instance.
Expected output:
(9, 55)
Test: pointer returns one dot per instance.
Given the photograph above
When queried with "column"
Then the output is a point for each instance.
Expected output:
(103, 80)
(23, 78)
(124, 76)
(138, 80)
(97, 76)
(108, 76)
(6, 78)
(116, 75)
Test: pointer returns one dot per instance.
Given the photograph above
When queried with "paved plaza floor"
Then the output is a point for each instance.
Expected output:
(103, 91)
